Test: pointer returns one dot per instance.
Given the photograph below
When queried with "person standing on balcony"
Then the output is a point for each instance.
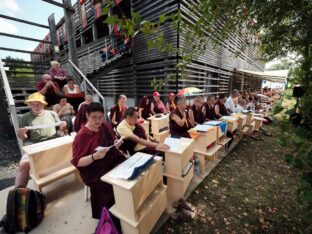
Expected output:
(157, 106)
(49, 89)
(37, 116)
(117, 112)
(58, 74)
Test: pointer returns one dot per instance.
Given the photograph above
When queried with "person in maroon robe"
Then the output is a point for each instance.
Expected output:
(117, 112)
(144, 108)
(179, 122)
(91, 164)
(195, 112)
(157, 106)
(208, 108)
(170, 104)
(220, 108)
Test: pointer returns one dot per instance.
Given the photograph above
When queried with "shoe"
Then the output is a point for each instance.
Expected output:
(182, 204)
(182, 215)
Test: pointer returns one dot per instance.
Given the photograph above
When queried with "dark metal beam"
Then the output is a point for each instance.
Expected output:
(23, 21)
(65, 6)
(24, 38)
(9, 61)
(22, 51)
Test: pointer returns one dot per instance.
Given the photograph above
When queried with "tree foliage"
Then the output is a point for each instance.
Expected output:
(14, 65)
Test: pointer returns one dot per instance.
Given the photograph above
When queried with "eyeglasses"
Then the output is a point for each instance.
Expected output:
(94, 117)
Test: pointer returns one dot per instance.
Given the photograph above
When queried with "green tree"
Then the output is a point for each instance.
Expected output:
(21, 70)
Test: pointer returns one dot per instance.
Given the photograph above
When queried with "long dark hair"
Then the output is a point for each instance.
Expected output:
(143, 102)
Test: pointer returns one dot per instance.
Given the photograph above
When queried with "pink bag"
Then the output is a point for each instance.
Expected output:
(106, 224)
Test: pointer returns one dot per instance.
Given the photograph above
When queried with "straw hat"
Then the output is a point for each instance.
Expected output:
(36, 97)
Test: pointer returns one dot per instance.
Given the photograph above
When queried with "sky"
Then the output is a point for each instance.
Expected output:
(32, 10)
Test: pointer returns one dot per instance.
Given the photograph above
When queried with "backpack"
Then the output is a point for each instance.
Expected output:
(24, 211)
(106, 224)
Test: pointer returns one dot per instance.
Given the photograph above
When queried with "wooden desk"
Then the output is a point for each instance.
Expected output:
(50, 160)
(145, 125)
(159, 124)
(249, 118)
(241, 120)
(202, 140)
(140, 202)
(175, 160)
(230, 124)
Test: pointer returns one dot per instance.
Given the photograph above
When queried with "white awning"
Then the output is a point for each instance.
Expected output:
(273, 76)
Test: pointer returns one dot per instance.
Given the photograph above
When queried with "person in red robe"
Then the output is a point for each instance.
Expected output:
(117, 112)
(91, 164)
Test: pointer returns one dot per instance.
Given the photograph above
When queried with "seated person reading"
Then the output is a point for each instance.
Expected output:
(65, 111)
(71, 87)
(170, 104)
(134, 135)
(220, 109)
(37, 116)
(208, 108)
(93, 164)
(117, 112)
(145, 108)
(49, 89)
(179, 122)
(195, 112)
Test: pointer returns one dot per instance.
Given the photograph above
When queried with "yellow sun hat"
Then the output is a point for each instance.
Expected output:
(36, 97)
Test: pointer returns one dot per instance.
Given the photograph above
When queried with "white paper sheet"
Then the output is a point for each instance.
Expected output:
(42, 126)
(102, 147)
(202, 128)
(125, 169)
(230, 118)
(214, 123)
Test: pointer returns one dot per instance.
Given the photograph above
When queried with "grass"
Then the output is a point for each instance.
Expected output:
(253, 190)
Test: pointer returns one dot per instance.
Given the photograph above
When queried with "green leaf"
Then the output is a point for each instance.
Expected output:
(283, 141)
(297, 139)
(105, 10)
(162, 19)
(278, 109)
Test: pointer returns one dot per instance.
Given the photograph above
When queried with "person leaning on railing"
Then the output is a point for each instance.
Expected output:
(37, 116)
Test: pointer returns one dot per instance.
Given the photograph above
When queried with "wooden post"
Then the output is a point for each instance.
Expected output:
(53, 36)
(70, 33)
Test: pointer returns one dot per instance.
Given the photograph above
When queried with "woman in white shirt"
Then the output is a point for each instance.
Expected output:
(71, 87)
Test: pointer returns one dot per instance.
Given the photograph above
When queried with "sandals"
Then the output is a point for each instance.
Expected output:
(182, 215)
(182, 204)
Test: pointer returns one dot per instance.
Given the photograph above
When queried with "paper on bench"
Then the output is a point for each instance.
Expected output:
(102, 147)
(230, 118)
(214, 123)
(41, 126)
(127, 169)
(202, 128)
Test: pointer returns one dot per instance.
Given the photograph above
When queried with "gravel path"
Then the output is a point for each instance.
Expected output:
(9, 158)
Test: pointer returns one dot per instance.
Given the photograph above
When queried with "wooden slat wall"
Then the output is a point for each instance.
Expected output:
(213, 71)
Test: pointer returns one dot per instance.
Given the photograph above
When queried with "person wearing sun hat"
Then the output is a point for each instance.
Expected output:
(170, 104)
(157, 106)
(36, 116)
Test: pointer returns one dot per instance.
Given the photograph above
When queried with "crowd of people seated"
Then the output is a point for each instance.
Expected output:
(124, 122)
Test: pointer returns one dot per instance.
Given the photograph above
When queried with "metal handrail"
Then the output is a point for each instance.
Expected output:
(85, 79)
(11, 102)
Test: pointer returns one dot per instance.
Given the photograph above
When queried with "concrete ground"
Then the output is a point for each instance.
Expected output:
(66, 212)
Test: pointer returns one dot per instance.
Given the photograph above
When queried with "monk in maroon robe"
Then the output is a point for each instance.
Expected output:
(92, 165)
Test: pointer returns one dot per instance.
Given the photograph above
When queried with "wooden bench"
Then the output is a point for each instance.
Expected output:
(50, 161)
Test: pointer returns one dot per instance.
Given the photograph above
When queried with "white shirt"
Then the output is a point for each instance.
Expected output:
(229, 104)
(69, 91)
(239, 109)
(250, 106)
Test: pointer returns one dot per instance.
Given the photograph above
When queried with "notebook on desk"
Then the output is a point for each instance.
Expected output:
(132, 167)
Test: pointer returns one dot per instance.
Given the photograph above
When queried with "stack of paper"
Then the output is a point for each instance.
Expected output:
(202, 128)
(213, 123)
(132, 167)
